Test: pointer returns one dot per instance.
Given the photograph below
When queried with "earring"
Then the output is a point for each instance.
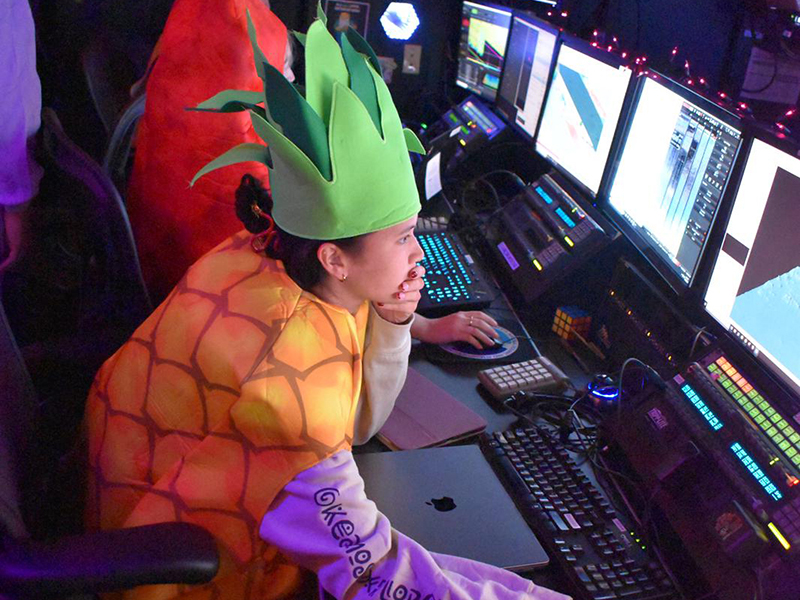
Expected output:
(343, 278)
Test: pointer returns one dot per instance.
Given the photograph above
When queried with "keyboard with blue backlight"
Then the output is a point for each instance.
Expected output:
(453, 280)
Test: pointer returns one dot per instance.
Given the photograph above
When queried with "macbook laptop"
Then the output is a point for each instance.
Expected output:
(450, 501)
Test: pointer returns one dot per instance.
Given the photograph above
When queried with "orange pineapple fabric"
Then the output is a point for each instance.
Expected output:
(239, 381)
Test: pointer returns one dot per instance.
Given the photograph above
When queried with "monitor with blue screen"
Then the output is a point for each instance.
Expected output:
(581, 112)
(671, 172)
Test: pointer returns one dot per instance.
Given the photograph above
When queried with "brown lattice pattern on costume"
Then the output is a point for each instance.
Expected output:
(233, 386)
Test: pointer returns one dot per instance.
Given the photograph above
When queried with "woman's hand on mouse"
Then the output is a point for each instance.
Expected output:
(474, 327)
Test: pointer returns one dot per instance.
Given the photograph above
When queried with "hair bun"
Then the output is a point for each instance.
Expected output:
(252, 201)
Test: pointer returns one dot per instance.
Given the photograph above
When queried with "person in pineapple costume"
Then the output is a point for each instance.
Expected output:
(236, 404)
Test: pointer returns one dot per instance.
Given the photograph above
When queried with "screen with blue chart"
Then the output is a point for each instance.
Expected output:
(581, 113)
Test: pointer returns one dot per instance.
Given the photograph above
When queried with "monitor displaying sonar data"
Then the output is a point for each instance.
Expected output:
(754, 289)
(482, 47)
(581, 111)
(529, 60)
(674, 165)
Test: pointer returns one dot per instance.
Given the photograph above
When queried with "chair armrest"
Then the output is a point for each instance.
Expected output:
(109, 560)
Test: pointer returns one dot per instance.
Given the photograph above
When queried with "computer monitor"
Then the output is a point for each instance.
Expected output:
(581, 111)
(529, 61)
(482, 47)
(754, 288)
(671, 172)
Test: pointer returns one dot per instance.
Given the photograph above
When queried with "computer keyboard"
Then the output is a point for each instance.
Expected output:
(453, 280)
(574, 519)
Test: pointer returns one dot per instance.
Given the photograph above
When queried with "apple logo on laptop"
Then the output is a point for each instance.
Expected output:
(443, 504)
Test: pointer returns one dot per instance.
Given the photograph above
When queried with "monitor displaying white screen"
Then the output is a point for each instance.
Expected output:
(581, 113)
(754, 289)
(482, 47)
(529, 59)
(674, 167)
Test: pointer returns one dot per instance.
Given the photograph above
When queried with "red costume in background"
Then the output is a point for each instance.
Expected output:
(204, 49)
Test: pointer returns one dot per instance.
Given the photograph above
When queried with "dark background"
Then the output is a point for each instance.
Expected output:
(715, 36)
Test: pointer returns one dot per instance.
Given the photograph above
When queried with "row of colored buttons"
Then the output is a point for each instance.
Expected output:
(698, 403)
(783, 435)
(756, 471)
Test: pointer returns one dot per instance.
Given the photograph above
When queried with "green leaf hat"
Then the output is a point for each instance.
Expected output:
(338, 158)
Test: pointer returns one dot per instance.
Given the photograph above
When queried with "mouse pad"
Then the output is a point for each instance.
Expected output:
(511, 350)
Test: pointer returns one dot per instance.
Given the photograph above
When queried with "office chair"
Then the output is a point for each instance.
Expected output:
(85, 563)
(109, 74)
(72, 300)
(99, 205)
(118, 156)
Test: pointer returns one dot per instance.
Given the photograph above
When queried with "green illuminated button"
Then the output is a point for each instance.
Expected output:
(778, 439)
(784, 445)
(726, 383)
(759, 398)
(795, 437)
(769, 411)
(782, 424)
(752, 393)
(754, 412)
(791, 452)
(764, 405)
(796, 459)
(776, 418)
(771, 432)
(748, 406)
(759, 418)
(738, 394)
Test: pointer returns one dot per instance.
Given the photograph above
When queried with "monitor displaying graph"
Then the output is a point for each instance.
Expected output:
(581, 112)
(482, 47)
(676, 159)
(754, 289)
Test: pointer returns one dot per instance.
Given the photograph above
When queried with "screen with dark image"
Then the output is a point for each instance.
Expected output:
(673, 169)
(581, 113)
(754, 290)
(529, 57)
(482, 47)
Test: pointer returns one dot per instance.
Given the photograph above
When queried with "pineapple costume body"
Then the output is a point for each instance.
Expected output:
(239, 381)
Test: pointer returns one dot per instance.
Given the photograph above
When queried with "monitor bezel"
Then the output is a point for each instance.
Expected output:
(537, 22)
(658, 262)
(494, 6)
(611, 59)
(778, 141)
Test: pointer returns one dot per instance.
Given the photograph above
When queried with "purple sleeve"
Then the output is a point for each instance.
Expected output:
(323, 521)
(20, 104)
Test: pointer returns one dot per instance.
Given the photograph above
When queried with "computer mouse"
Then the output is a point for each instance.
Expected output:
(468, 348)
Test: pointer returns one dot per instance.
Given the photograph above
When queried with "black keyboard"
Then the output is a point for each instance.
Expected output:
(453, 280)
(575, 520)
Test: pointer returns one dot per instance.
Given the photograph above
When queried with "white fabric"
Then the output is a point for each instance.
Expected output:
(385, 367)
(323, 521)
(20, 104)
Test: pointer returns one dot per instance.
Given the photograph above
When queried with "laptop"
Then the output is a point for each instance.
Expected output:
(450, 501)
